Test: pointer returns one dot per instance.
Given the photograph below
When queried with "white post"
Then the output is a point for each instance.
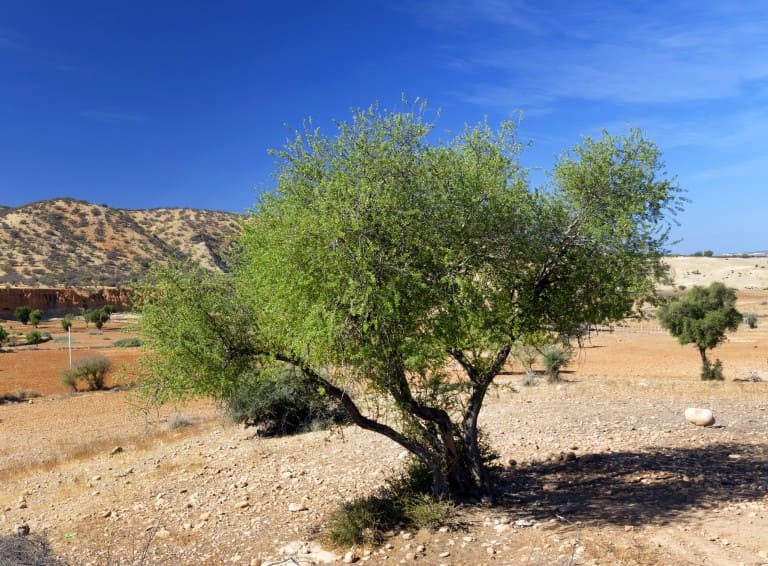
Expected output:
(69, 331)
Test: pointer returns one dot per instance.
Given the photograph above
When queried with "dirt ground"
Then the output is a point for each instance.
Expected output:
(106, 480)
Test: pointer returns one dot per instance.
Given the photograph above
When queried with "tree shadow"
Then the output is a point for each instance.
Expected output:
(631, 488)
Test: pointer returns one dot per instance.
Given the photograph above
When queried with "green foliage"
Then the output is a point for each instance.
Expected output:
(751, 319)
(22, 314)
(34, 337)
(701, 317)
(99, 317)
(128, 343)
(403, 503)
(35, 317)
(554, 357)
(3, 335)
(710, 371)
(91, 370)
(279, 400)
(66, 322)
(383, 260)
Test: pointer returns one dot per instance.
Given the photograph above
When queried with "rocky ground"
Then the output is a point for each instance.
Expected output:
(606, 471)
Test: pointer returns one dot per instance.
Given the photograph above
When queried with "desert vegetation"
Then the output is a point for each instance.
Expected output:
(396, 275)
(702, 317)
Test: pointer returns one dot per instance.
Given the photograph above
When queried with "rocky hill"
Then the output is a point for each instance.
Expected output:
(70, 243)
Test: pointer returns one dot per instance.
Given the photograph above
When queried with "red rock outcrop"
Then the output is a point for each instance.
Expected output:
(58, 302)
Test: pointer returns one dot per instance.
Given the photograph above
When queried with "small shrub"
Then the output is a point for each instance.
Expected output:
(554, 357)
(128, 343)
(712, 371)
(751, 319)
(33, 550)
(177, 420)
(66, 322)
(404, 502)
(34, 337)
(19, 396)
(92, 370)
(280, 401)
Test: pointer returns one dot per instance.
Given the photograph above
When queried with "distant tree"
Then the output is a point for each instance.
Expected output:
(751, 319)
(3, 335)
(66, 322)
(395, 275)
(99, 317)
(708, 253)
(22, 314)
(35, 317)
(701, 317)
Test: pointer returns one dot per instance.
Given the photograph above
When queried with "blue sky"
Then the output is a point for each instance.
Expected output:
(145, 104)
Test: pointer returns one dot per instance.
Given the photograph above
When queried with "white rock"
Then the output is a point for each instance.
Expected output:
(295, 507)
(699, 417)
(350, 557)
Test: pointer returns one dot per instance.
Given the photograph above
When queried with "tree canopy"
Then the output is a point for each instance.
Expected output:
(702, 317)
(396, 274)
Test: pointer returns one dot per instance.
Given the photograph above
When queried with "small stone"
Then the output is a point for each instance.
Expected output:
(296, 507)
(116, 450)
(243, 504)
(106, 514)
(421, 549)
(490, 550)
(407, 536)
(628, 528)
(350, 557)
(162, 533)
(445, 554)
(699, 417)
(21, 530)
(524, 523)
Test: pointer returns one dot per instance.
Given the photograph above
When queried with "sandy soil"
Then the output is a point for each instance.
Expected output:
(645, 487)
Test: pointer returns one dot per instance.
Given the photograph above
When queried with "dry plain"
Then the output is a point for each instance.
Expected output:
(645, 487)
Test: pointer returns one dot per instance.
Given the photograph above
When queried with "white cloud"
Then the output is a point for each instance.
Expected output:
(606, 52)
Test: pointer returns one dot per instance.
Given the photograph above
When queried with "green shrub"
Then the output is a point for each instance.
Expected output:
(712, 371)
(22, 314)
(34, 337)
(554, 357)
(35, 317)
(751, 319)
(278, 400)
(405, 502)
(128, 343)
(92, 370)
(66, 322)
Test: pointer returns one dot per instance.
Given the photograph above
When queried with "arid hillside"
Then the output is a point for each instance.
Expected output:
(70, 243)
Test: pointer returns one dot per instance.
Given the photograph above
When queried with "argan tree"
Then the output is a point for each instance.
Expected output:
(3, 335)
(35, 317)
(382, 262)
(702, 317)
(22, 314)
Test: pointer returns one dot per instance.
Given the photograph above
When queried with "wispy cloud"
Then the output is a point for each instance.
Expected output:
(609, 53)
(113, 117)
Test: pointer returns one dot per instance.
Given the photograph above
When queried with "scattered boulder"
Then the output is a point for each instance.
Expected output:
(699, 417)
(22, 530)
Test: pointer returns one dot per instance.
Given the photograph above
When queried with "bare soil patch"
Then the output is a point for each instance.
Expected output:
(606, 469)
